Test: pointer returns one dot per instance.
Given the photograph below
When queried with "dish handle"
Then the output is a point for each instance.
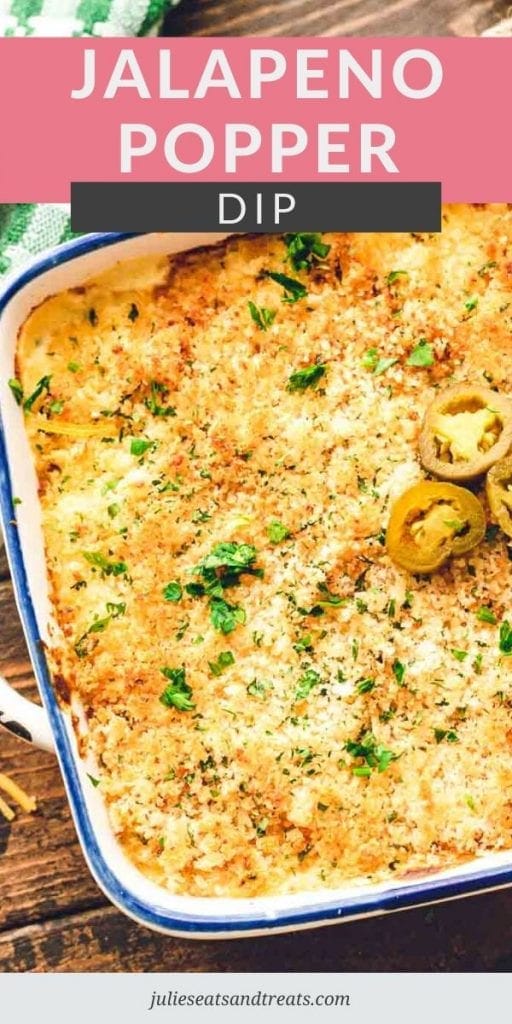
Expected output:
(24, 719)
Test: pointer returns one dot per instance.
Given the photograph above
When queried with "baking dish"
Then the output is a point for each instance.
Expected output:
(68, 266)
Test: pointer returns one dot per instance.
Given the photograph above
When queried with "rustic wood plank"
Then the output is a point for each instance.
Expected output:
(42, 871)
(471, 935)
(333, 17)
(14, 659)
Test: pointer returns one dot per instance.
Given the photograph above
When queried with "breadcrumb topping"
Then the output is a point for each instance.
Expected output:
(272, 704)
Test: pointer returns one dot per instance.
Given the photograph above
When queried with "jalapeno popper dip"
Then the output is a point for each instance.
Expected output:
(272, 702)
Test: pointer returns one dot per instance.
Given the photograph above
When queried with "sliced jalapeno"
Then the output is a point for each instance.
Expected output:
(465, 431)
(432, 521)
(499, 493)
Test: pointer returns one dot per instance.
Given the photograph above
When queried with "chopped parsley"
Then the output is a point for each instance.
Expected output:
(308, 377)
(506, 637)
(133, 313)
(394, 276)
(182, 629)
(372, 361)
(173, 592)
(398, 671)
(195, 589)
(277, 532)
(224, 660)
(306, 683)
(263, 317)
(138, 446)
(74, 367)
(158, 393)
(201, 516)
(111, 485)
(17, 390)
(116, 609)
(459, 655)
(471, 304)
(304, 755)
(237, 558)
(225, 616)
(293, 290)
(490, 265)
(485, 614)
(221, 569)
(304, 643)
(42, 385)
(422, 354)
(446, 734)
(108, 568)
(306, 249)
(82, 648)
(372, 753)
(177, 693)
(383, 365)
(365, 686)
(257, 689)
(100, 625)
(477, 664)
(327, 600)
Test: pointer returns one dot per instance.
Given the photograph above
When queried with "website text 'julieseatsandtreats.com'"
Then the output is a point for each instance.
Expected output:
(257, 998)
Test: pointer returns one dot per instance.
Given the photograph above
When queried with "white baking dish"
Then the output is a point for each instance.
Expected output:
(66, 266)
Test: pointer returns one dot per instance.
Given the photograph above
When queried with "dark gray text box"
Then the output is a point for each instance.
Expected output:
(299, 206)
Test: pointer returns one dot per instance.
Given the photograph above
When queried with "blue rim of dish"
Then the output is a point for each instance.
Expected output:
(153, 915)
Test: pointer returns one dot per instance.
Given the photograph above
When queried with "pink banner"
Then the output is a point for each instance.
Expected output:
(393, 109)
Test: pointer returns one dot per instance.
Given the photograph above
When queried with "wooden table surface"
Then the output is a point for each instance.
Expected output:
(52, 916)
(334, 17)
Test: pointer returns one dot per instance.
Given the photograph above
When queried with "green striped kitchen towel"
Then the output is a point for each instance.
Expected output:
(81, 17)
(27, 229)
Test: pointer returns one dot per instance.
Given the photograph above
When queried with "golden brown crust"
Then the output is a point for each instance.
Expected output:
(253, 790)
